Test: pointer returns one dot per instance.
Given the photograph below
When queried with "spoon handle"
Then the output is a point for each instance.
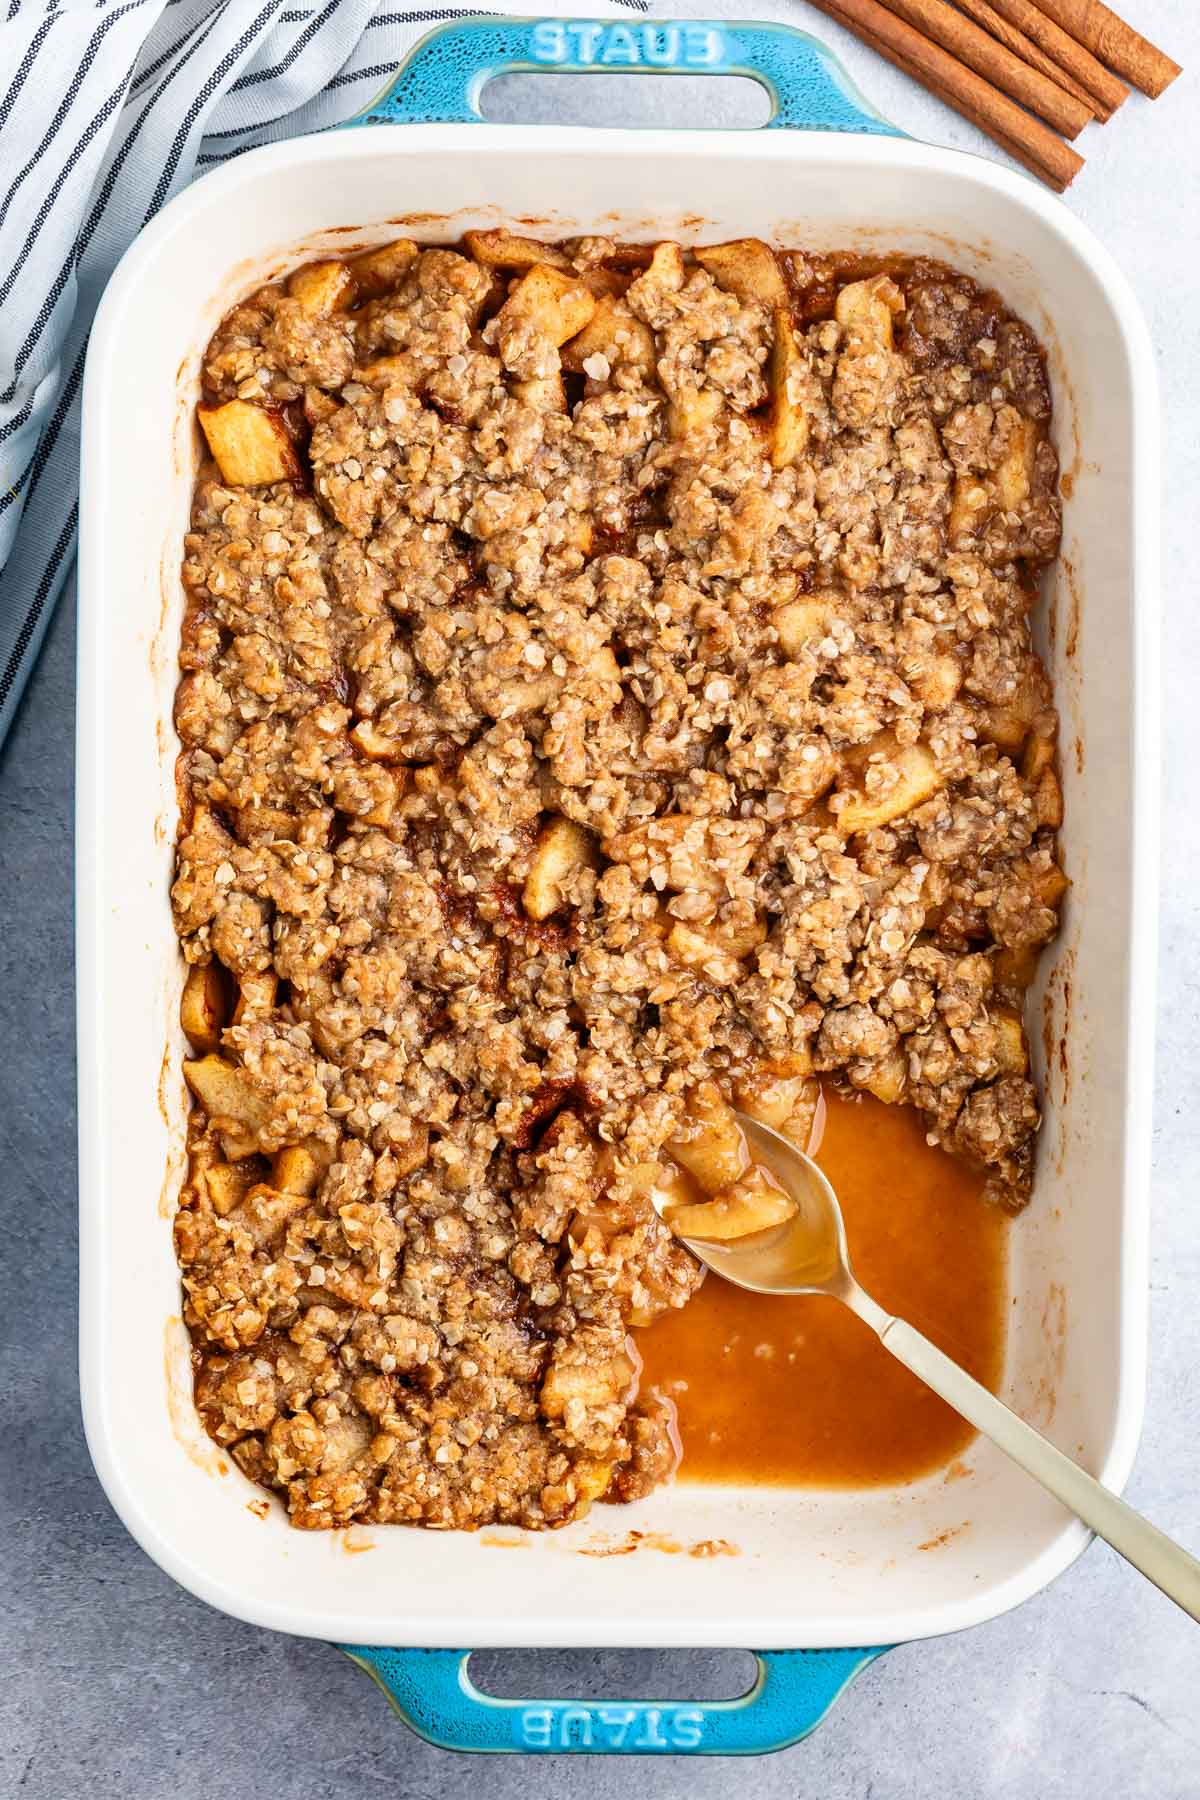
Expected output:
(1167, 1564)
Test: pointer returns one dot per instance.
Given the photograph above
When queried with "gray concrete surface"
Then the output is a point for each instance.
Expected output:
(117, 1684)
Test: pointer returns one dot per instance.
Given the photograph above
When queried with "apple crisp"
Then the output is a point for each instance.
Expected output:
(607, 695)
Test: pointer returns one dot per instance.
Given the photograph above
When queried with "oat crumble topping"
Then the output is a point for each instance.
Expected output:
(606, 673)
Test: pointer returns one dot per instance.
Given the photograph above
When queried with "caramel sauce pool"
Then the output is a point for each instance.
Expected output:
(797, 1392)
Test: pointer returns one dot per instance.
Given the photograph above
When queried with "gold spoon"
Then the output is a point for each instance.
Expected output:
(807, 1254)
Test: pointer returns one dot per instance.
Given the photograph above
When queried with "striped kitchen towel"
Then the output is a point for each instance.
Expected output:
(107, 108)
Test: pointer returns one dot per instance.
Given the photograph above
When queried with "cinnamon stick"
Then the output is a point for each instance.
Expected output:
(944, 25)
(922, 76)
(1114, 42)
(1024, 47)
(1065, 50)
(1034, 144)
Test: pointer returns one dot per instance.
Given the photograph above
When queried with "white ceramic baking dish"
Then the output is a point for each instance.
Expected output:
(812, 1568)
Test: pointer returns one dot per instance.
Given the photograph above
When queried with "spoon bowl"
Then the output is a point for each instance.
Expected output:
(807, 1254)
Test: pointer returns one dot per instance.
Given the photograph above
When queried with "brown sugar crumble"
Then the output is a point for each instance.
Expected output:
(607, 684)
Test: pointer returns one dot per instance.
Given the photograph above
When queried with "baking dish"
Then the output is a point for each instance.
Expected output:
(812, 1570)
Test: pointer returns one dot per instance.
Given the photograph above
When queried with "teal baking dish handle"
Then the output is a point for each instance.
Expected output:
(442, 77)
(433, 1693)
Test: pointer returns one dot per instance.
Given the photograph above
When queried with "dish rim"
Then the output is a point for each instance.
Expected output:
(1137, 1066)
